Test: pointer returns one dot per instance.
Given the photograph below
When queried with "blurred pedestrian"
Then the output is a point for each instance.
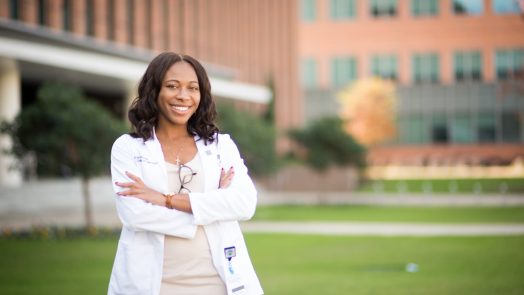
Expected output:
(181, 189)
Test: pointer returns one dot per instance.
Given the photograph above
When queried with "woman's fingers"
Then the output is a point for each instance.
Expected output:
(125, 184)
(134, 177)
(226, 177)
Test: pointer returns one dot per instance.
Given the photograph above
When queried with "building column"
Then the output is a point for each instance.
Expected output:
(10, 105)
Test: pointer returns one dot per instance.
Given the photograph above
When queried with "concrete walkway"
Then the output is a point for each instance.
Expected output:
(60, 203)
(383, 229)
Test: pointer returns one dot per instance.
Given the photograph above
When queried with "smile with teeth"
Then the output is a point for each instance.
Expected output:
(180, 108)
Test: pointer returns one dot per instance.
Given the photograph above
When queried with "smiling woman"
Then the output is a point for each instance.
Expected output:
(180, 208)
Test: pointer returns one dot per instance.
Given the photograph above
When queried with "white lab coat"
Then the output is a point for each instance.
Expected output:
(138, 263)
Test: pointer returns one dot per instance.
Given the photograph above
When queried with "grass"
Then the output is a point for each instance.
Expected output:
(366, 265)
(294, 264)
(78, 266)
(510, 185)
(391, 214)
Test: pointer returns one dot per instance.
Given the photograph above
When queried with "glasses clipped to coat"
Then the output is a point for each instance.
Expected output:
(185, 175)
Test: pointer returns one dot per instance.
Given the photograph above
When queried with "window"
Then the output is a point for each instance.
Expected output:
(384, 66)
(110, 19)
(425, 68)
(66, 15)
(383, 8)
(41, 12)
(509, 63)
(342, 9)
(90, 18)
(486, 126)
(424, 7)
(343, 70)
(308, 10)
(14, 9)
(468, 66)
(506, 6)
(309, 73)
(511, 127)
(417, 130)
(462, 130)
(473, 7)
(439, 128)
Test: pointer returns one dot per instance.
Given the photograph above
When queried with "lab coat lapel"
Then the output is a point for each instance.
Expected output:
(208, 156)
(155, 152)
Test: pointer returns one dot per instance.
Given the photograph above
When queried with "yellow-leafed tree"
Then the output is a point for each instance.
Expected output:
(368, 110)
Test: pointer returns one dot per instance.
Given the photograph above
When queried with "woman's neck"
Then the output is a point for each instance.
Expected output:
(172, 132)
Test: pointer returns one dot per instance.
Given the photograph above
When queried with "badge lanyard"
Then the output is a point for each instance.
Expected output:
(234, 282)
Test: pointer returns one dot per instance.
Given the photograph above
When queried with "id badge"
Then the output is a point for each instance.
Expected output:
(234, 282)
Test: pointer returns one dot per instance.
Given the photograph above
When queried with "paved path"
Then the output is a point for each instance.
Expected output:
(383, 229)
(60, 203)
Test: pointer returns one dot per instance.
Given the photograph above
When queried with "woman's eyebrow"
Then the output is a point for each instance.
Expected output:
(175, 80)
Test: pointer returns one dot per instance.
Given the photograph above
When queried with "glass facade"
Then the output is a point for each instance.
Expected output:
(424, 7)
(343, 70)
(425, 68)
(468, 66)
(342, 9)
(381, 8)
(486, 127)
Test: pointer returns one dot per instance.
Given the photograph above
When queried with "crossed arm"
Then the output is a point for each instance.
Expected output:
(180, 202)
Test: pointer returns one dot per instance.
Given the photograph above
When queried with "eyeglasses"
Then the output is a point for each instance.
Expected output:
(185, 175)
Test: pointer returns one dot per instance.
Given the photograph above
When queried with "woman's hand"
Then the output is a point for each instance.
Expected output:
(138, 189)
(226, 177)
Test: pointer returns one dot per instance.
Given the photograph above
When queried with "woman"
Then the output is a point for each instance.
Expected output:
(179, 207)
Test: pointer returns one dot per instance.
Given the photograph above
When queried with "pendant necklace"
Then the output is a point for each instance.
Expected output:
(177, 161)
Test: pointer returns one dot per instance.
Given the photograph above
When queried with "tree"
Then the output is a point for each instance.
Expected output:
(368, 110)
(254, 135)
(327, 144)
(68, 133)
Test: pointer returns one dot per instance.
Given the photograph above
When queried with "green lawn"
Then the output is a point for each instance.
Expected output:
(447, 186)
(393, 214)
(365, 265)
(294, 264)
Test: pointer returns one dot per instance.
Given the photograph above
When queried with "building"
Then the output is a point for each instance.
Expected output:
(105, 45)
(458, 66)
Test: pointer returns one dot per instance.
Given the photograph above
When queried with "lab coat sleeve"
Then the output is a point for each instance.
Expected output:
(237, 202)
(136, 213)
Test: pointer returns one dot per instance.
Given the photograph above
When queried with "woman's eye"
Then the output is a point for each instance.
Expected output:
(172, 86)
(194, 88)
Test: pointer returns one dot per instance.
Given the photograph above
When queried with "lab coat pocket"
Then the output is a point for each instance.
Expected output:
(134, 266)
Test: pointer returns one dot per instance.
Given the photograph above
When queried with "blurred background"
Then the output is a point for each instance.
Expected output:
(401, 105)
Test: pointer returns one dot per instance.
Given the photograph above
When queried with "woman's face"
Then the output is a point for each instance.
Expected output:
(179, 95)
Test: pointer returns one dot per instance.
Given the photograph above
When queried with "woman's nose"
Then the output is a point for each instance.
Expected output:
(183, 93)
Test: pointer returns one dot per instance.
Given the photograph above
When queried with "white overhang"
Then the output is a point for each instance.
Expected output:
(115, 67)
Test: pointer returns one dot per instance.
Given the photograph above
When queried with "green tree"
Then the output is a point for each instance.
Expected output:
(254, 136)
(327, 144)
(68, 133)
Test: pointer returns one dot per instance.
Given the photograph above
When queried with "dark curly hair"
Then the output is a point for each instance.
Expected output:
(143, 113)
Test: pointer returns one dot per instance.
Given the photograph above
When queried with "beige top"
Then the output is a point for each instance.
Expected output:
(188, 264)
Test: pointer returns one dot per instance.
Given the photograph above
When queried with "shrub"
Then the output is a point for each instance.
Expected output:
(254, 136)
(327, 144)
